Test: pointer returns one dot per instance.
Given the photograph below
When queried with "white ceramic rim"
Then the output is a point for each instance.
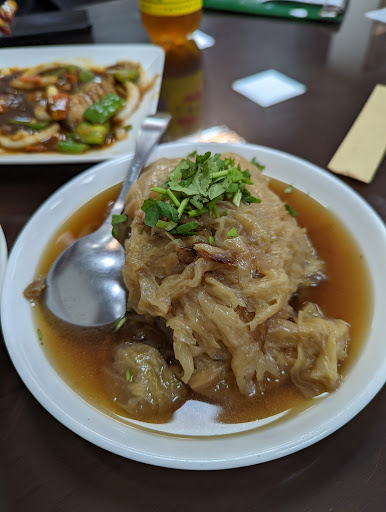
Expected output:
(3, 257)
(150, 56)
(250, 445)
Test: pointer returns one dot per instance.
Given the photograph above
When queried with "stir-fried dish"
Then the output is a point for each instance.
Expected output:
(67, 108)
(7, 13)
(229, 301)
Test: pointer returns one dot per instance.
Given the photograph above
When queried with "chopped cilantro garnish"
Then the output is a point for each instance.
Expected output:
(154, 209)
(248, 197)
(186, 229)
(290, 210)
(232, 233)
(261, 167)
(195, 187)
(115, 220)
(288, 189)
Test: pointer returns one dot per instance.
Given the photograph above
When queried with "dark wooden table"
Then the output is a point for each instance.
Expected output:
(44, 466)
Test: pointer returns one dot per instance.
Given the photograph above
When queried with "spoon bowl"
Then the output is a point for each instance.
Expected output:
(84, 286)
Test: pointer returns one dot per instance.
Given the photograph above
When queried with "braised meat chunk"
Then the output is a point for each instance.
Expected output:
(90, 93)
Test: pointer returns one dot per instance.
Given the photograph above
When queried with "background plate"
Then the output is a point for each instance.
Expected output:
(3, 257)
(193, 440)
(151, 58)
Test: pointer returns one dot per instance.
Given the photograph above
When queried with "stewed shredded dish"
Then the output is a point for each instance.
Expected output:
(223, 302)
(223, 286)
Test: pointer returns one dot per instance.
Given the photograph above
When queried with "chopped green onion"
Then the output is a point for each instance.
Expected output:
(237, 198)
(173, 198)
(168, 226)
(211, 240)
(128, 375)
(232, 233)
(257, 164)
(128, 127)
(288, 189)
(290, 210)
(120, 322)
(219, 174)
(40, 335)
(196, 213)
(160, 190)
(33, 125)
(182, 207)
(115, 220)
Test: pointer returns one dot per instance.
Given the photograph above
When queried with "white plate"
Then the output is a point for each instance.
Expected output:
(151, 58)
(192, 440)
(3, 257)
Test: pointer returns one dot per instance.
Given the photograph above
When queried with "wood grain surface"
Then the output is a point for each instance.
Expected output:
(43, 465)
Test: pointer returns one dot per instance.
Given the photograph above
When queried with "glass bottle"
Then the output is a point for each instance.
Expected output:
(182, 89)
(170, 21)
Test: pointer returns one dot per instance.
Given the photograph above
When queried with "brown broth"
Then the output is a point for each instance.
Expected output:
(81, 355)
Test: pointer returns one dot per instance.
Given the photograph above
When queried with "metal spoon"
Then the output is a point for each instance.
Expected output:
(84, 286)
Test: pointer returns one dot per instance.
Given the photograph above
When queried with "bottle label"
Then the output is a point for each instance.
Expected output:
(169, 7)
(183, 99)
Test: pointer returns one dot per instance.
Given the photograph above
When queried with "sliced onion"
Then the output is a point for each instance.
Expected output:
(22, 138)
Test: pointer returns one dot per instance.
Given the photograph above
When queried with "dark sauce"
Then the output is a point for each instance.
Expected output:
(17, 105)
(81, 355)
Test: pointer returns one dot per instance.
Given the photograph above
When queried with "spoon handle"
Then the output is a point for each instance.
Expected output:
(149, 135)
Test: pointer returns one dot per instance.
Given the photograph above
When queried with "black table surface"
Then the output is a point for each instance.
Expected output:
(46, 467)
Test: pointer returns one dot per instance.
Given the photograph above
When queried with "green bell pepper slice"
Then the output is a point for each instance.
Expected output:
(103, 110)
(124, 74)
(70, 146)
(92, 133)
